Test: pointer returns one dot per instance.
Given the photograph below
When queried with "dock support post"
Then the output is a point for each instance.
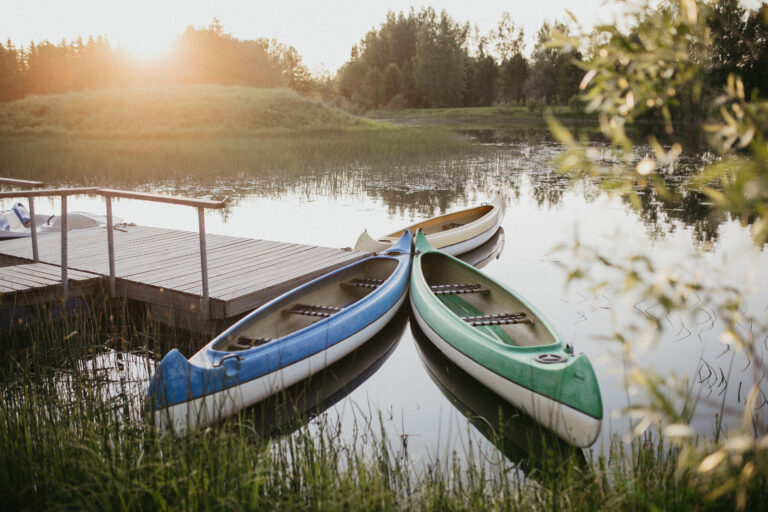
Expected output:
(33, 229)
(203, 261)
(111, 247)
(64, 280)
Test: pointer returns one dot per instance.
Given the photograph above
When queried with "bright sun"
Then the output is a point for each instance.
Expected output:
(147, 46)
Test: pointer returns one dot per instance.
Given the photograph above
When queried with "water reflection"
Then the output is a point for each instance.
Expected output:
(486, 253)
(312, 396)
(515, 161)
(523, 441)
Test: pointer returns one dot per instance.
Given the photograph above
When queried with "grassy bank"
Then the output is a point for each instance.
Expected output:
(151, 133)
(71, 437)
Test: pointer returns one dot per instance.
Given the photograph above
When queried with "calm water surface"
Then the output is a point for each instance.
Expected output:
(332, 208)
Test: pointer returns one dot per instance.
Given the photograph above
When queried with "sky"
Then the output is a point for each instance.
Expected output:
(322, 31)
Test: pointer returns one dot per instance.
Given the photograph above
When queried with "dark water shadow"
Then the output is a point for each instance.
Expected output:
(287, 410)
(523, 441)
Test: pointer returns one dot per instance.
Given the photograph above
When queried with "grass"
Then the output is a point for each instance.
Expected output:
(152, 133)
(65, 443)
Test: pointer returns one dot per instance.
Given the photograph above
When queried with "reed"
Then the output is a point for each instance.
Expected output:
(72, 436)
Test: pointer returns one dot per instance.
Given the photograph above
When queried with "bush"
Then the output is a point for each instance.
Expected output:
(532, 104)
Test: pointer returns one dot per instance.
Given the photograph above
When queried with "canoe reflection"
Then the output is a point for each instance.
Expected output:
(310, 397)
(521, 439)
(486, 253)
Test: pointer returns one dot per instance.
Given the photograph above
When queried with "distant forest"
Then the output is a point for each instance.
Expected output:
(413, 60)
(200, 56)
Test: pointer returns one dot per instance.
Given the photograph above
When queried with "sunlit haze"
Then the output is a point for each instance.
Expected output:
(323, 32)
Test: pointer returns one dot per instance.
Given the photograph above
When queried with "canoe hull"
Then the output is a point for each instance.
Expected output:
(225, 376)
(525, 361)
(572, 425)
(209, 409)
(455, 241)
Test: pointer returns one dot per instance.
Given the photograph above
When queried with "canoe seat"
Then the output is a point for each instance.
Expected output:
(462, 308)
(363, 283)
(452, 225)
(313, 310)
(246, 342)
(498, 319)
(456, 289)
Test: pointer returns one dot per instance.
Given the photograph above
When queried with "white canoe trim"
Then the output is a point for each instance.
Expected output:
(203, 411)
(573, 426)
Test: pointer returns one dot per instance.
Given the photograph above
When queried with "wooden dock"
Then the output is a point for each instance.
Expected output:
(161, 267)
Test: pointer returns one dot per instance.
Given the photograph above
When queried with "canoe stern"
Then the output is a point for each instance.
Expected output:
(176, 380)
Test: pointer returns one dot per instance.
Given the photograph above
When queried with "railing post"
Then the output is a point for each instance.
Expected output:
(203, 259)
(64, 280)
(33, 229)
(111, 247)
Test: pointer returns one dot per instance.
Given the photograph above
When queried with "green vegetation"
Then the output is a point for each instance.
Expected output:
(151, 133)
(425, 59)
(661, 67)
(72, 437)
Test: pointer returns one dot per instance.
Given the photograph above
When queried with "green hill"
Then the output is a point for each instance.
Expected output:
(172, 110)
(153, 133)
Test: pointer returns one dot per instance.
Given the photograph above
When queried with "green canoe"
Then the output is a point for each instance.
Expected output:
(502, 341)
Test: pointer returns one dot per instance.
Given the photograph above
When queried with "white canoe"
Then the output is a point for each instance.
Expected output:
(453, 233)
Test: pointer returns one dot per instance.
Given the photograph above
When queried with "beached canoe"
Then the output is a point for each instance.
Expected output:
(502, 341)
(279, 344)
(454, 233)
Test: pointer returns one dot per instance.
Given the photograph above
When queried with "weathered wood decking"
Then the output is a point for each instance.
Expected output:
(162, 266)
(22, 285)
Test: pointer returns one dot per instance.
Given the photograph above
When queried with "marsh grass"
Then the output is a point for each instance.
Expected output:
(67, 444)
(191, 131)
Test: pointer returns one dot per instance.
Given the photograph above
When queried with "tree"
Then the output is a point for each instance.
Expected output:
(392, 82)
(514, 74)
(553, 75)
(10, 72)
(439, 62)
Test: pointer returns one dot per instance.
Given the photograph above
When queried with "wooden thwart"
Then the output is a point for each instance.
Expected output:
(498, 319)
(455, 289)
(313, 310)
(363, 283)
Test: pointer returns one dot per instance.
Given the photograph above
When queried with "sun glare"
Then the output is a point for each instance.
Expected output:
(148, 46)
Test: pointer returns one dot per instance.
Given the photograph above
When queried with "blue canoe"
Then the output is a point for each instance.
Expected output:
(281, 343)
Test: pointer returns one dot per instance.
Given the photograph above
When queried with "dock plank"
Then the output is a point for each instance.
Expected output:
(162, 266)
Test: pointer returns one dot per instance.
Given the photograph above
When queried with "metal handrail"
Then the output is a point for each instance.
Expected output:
(200, 204)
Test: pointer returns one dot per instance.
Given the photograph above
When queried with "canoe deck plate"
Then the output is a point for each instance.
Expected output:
(246, 342)
(313, 310)
(500, 319)
(455, 289)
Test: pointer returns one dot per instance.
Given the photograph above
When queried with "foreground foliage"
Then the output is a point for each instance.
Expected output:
(72, 436)
(657, 68)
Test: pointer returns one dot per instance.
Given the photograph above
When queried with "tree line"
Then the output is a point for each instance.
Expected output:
(414, 59)
(200, 55)
(425, 59)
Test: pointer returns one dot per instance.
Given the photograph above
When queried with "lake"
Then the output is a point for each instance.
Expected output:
(419, 396)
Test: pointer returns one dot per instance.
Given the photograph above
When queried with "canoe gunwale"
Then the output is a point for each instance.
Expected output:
(215, 355)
